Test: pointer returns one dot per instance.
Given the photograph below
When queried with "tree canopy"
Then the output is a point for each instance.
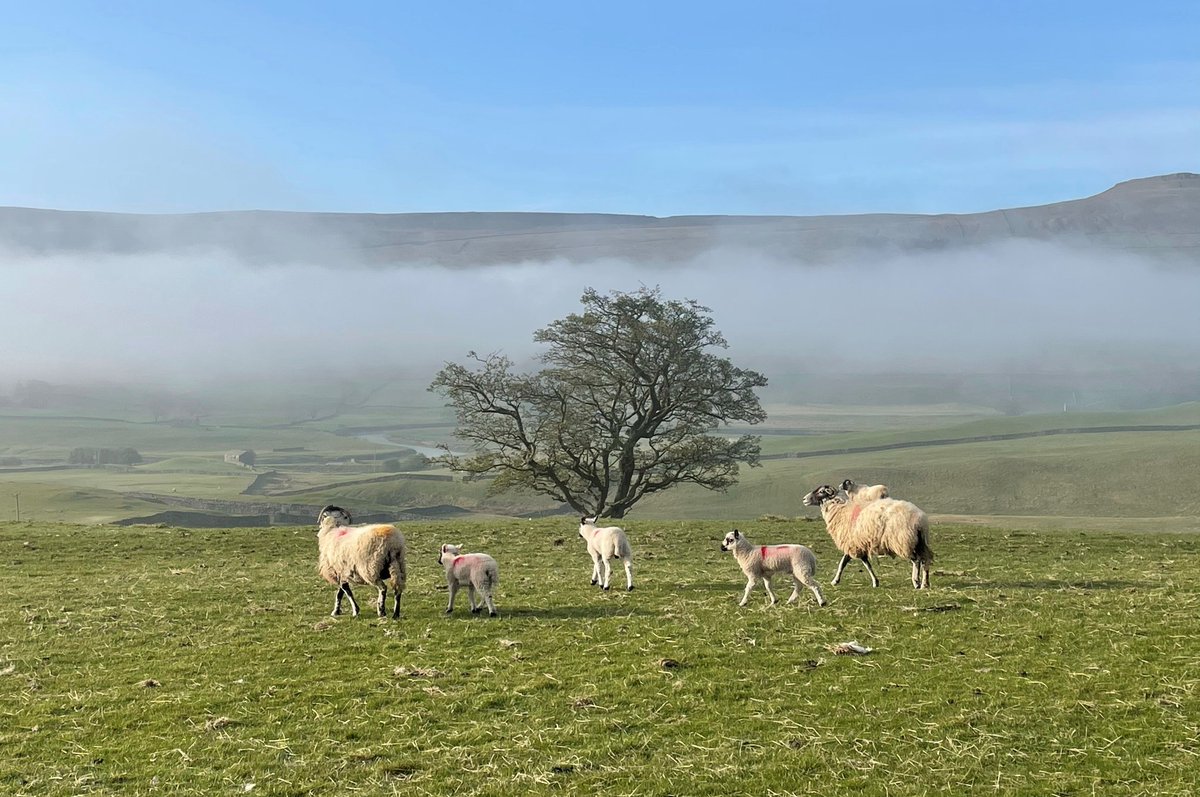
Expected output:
(623, 408)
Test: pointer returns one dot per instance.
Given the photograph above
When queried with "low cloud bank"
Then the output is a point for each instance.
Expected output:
(188, 320)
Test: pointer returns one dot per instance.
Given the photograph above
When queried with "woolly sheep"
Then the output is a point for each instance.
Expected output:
(372, 554)
(887, 526)
(605, 543)
(478, 572)
(865, 492)
(762, 562)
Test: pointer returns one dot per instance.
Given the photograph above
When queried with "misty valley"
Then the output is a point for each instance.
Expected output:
(1045, 447)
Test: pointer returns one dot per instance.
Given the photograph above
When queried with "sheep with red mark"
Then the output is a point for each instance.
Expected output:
(605, 543)
(372, 554)
(478, 572)
(760, 563)
(886, 526)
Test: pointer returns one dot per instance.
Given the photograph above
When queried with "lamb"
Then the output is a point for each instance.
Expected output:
(765, 561)
(478, 572)
(865, 492)
(372, 554)
(605, 543)
(886, 526)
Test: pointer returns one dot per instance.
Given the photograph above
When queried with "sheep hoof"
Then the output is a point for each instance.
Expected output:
(448, 611)
(493, 614)
(629, 588)
(475, 611)
(606, 588)
(594, 582)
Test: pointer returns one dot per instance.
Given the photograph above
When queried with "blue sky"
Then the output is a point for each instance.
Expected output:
(659, 108)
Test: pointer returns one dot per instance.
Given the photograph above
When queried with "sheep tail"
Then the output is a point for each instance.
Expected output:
(924, 552)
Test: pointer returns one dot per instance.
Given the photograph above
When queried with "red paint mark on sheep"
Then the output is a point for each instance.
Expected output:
(854, 514)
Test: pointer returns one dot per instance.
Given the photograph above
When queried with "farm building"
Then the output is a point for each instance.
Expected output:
(245, 458)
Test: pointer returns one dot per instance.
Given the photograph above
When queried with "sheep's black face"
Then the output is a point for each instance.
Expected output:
(730, 540)
(820, 495)
(847, 485)
(340, 516)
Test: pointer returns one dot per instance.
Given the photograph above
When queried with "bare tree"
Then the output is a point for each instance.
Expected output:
(623, 409)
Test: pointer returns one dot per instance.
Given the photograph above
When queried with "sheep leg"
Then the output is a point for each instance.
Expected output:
(397, 591)
(471, 599)
(453, 592)
(811, 583)
(746, 594)
(595, 569)
(607, 572)
(337, 606)
(766, 580)
(491, 604)
(841, 566)
(381, 605)
(920, 574)
(629, 575)
(866, 560)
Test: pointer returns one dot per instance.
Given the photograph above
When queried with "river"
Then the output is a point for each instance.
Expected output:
(382, 439)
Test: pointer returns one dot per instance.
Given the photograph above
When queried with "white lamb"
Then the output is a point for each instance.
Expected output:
(605, 543)
(478, 572)
(372, 554)
(865, 492)
(886, 526)
(762, 562)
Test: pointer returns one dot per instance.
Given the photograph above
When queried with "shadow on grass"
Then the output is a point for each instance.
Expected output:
(586, 611)
(1055, 584)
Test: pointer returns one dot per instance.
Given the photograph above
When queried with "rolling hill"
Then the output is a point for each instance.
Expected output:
(1153, 215)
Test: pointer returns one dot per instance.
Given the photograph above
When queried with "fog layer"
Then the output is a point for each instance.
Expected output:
(198, 319)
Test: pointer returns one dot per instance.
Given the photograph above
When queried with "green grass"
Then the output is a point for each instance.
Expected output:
(1129, 474)
(165, 661)
(1113, 475)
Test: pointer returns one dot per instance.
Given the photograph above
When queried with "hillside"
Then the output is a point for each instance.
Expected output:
(1154, 215)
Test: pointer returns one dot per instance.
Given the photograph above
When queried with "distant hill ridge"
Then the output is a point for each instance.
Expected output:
(1159, 216)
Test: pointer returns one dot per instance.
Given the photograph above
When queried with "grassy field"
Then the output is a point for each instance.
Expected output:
(166, 661)
(1122, 474)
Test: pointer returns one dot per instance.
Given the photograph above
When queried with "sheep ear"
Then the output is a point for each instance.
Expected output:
(736, 534)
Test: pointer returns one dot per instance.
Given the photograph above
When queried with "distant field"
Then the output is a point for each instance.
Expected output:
(146, 661)
(1092, 477)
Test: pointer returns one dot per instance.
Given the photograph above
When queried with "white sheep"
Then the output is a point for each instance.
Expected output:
(605, 543)
(865, 492)
(762, 562)
(372, 554)
(478, 572)
(887, 526)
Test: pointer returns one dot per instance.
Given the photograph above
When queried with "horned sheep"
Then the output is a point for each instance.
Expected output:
(886, 526)
(762, 562)
(605, 543)
(372, 554)
(478, 572)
